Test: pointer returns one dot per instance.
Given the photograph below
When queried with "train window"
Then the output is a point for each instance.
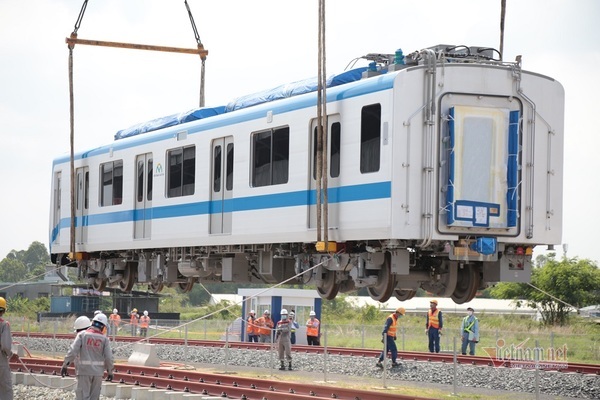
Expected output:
(217, 169)
(87, 190)
(149, 184)
(334, 150)
(229, 167)
(111, 180)
(140, 180)
(271, 150)
(182, 171)
(370, 138)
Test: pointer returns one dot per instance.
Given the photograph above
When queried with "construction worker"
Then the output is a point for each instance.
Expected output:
(389, 336)
(283, 337)
(295, 326)
(6, 388)
(265, 327)
(144, 324)
(251, 327)
(433, 326)
(469, 331)
(312, 330)
(95, 355)
(133, 321)
(105, 330)
(114, 320)
(81, 324)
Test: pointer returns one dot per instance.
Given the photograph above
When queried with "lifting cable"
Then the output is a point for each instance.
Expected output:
(321, 153)
(72, 41)
(502, 15)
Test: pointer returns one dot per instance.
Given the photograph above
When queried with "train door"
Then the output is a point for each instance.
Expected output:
(56, 210)
(142, 216)
(82, 179)
(221, 185)
(334, 137)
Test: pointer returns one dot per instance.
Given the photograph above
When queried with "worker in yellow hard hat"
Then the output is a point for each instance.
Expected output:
(6, 389)
(389, 337)
(433, 326)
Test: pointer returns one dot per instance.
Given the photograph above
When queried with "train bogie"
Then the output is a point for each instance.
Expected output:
(443, 174)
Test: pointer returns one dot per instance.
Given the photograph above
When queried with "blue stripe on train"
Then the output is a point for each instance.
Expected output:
(370, 191)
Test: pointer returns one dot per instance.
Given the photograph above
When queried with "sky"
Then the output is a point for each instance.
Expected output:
(256, 45)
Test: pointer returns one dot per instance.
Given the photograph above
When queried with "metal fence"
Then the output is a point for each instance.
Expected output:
(578, 348)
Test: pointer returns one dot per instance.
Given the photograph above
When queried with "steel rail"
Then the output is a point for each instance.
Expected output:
(545, 365)
(215, 384)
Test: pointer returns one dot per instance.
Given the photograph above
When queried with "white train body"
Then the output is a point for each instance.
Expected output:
(444, 174)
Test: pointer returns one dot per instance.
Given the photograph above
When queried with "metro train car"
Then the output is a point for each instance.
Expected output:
(444, 170)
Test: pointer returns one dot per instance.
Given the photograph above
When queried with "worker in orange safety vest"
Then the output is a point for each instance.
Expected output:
(144, 324)
(312, 330)
(433, 326)
(265, 327)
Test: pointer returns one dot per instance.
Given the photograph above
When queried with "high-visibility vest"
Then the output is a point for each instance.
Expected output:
(144, 321)
(251, 327)
(115, 319)
(134, 319)
(467, 328)
(434, 321)
(264, 325)
(312, 327)
(392, 329)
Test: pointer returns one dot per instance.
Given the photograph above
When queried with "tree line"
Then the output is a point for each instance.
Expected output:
(559, 287)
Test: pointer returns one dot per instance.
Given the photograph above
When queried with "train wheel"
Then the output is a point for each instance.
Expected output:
(156, 286)
(386, 282)
(98, 284)
(128, 280)
(326, 285)
(467, 284)
(404, 294)
(186, 287)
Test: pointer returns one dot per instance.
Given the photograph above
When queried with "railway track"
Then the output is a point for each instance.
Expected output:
(593, 369)
(220, 385)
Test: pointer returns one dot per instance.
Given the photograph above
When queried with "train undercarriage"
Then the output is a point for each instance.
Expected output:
(384, 268)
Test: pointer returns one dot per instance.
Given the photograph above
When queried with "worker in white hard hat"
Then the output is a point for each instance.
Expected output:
(251, 327)
(312, 330)
(114, 320)
(265, 327)
(144, 324)
(95, 355)
(283, 337)
(6, 388)
(81, 324)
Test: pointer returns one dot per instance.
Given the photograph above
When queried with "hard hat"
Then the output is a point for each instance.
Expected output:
(145, 313)
(82, 322)
(115, 311)
(292, 313)
(284, 311)
(312, 314)
(266, 312)
(2, 304)
(101, 318)
(252, 312)
(97, 312)
(134, 310)
(401, 310)
(434, 302)
(470, 309)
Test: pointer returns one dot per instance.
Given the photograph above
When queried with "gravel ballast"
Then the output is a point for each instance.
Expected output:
(567, 385)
